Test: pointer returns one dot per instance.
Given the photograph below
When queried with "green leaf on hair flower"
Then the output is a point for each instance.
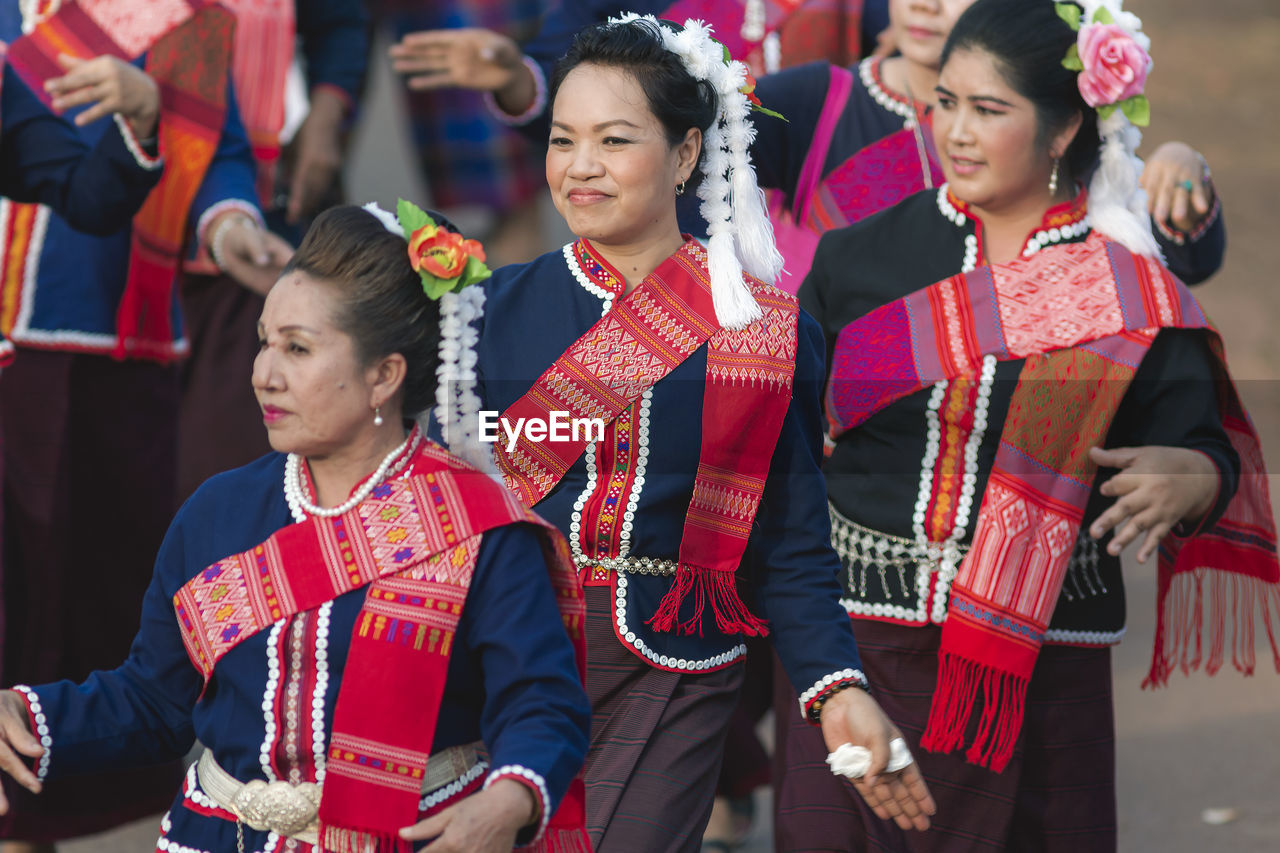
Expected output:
(1105, 111)
(1070, 13)
(474, 273)
(411, 217)
(768, 112)
(437, 287)
(1137, 109)
(1103, 16)
(1072, 61)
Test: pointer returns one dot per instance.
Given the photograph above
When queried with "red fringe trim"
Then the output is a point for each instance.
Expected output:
(1003, 706)
(340, 839)
(717, 587)
(561, 841)
(1180, 614)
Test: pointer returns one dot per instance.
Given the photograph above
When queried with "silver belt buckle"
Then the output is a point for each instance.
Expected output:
(278, 806)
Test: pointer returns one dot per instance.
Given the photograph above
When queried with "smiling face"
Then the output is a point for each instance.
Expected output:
(316, 397)
(612, 171)
(988, 136)
(921, 27)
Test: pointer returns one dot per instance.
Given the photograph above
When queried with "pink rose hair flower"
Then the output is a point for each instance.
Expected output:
(1115, 65)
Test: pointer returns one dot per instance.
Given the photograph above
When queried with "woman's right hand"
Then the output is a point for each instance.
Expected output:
(16, 739)
(485, 822)
(111, 85)
(852, 716)
(470, 58)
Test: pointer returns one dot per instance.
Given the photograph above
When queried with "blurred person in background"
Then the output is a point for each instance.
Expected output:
(475, 168)
(90, 404)
(298, 69)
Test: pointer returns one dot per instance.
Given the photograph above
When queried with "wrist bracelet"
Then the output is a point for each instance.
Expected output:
(220, 233)
(815, 707)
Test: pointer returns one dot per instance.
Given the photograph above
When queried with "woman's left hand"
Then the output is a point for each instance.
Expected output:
(314, 158)
(1169, 171)
(1157, 487)
(112, 86)
(485, 822)
(250, 254)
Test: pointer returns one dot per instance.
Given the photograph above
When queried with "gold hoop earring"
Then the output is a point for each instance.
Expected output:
(1053, 177)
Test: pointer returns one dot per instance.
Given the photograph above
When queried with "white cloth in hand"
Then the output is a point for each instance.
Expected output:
(854, 761)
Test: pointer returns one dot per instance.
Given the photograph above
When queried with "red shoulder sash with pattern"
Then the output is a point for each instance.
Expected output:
(1082, 315)
(6, 348)
(188, 45)
(413, 543)
(645, 336)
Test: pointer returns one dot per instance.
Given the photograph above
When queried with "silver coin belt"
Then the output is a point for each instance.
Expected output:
(873, 549)
(631, 565)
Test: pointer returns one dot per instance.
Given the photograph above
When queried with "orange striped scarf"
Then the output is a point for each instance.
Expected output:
(188, 45)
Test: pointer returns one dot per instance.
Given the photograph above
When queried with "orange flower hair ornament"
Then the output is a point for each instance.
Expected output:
(442, 258)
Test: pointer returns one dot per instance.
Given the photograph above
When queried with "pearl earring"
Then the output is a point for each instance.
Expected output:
(1053, 177)
(377, 416)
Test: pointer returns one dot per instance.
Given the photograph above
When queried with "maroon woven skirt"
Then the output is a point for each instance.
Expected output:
(89, 456)
(1056, 796)
(220, 423)
(657, 738)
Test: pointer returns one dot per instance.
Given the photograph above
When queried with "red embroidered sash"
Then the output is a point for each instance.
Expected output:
(188, 46)
(6, 348)
(645, 336)
(726, 19)
(1082, 315)
(414, 544)
(265, 32)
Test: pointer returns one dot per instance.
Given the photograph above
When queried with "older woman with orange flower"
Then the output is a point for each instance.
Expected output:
(378, 647)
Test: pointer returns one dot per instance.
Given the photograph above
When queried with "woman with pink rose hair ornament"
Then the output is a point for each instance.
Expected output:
(986, 341)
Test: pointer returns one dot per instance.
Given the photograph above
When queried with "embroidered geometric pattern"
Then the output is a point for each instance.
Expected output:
(415, 613)
(1059, 299)
(379, 763)
(725, 500)
(1064, 407)
(642, 338)
(401, 524)
(1017, 527)
(764, 353)
(134, 28)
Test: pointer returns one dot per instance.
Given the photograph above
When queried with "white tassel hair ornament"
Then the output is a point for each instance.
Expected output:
(457, 407)
(1117, 202)
(738, 226)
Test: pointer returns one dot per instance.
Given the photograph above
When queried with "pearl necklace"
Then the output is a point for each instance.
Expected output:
(295, 495)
